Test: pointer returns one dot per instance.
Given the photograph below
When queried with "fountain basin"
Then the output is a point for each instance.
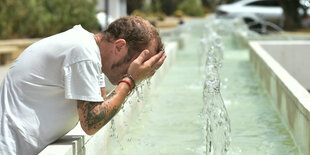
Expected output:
(283, 69)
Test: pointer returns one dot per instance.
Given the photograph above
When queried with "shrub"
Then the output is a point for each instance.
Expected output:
(191, 8)
(178, 13)
(161, 16)
(139, 13)
(40, 18)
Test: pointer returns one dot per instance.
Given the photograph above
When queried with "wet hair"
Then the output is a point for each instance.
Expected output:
(137, 32)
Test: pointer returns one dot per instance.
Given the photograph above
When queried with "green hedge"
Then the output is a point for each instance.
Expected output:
(40, 18)
(191, 8)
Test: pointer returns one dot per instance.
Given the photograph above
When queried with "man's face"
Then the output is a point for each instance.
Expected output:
(120, 67)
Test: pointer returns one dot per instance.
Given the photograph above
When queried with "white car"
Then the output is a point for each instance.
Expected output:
(255, 12)
(252, 11)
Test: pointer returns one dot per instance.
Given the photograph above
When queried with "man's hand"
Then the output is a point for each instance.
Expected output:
(142, 67)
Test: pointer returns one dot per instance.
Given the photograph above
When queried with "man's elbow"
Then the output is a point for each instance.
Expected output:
(87, 130)
(91, 130)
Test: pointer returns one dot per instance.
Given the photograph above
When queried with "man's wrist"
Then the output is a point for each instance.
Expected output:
(126, 81)
(132, 80)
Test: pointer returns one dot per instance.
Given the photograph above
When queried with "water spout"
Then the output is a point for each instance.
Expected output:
(217, 129)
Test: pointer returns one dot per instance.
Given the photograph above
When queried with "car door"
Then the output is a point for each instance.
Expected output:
(269, 10)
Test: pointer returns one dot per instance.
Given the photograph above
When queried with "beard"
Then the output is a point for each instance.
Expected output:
(117, 71)
(121, 62)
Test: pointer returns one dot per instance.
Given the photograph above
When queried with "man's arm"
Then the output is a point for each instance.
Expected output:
(94, 115)
(103, 92)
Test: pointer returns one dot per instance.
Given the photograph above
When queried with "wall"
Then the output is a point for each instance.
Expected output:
(289, 97)
(294, 56)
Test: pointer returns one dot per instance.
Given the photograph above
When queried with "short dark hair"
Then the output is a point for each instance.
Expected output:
(137, 32)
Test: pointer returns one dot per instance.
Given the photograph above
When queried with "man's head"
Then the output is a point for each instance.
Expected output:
(128, 37)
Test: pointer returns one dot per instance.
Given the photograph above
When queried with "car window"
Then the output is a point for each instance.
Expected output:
(265, 3)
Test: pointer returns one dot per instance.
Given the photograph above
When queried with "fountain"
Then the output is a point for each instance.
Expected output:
(169, 119)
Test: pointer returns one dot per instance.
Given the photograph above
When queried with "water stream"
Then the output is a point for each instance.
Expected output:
(217, 123)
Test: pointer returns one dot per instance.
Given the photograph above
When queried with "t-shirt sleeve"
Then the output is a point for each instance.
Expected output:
(101, 80)
(82, 81)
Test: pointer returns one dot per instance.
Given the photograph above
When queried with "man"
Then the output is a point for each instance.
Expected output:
(54, 83)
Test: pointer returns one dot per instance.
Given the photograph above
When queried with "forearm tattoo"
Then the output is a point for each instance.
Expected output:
(97, 114)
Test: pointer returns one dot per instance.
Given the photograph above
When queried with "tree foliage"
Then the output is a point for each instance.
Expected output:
(134, 5)
(170, 6)
(40, 18)
(191, 8)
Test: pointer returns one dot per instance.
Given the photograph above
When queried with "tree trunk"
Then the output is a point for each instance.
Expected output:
(292, 19)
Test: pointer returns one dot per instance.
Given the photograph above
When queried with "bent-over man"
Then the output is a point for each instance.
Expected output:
(56, 82)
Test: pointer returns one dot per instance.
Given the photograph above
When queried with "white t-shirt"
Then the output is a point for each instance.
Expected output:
(38, 95)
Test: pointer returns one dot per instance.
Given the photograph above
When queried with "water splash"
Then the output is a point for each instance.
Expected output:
(214, 57)
(211, 47)
(217, 125)
(217, 129)
(114, 134)
(149, 83)
(139, 92)
(136, 96)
